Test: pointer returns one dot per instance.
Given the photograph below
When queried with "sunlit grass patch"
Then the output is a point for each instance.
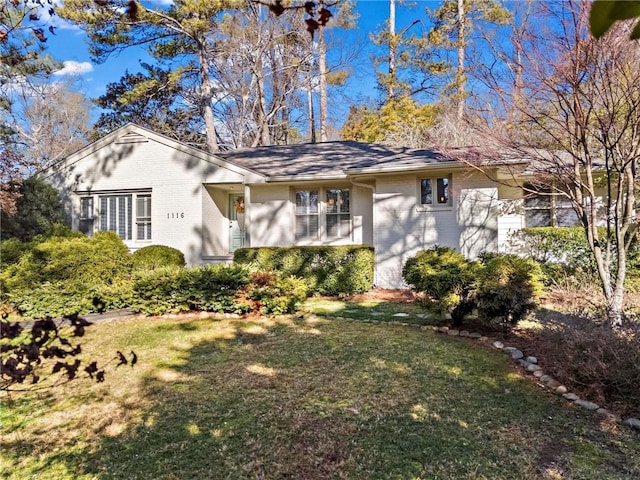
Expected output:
(382, 311)
(303, 397)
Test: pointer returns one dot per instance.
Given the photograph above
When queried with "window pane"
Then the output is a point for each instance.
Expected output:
(333, 197)
(333, 226)
(338, 201)
(113, 219)
(103, 214)
(86, 226)
(306, 226)
(306, 213)
(86, 207)
(537, 218)
(344, 203)
(443, 190)
(426, 189)
(537, 201)
(143, 217)
(567, 217)
(306, 201)
(129, 219)
(345, 225)
(116, 215)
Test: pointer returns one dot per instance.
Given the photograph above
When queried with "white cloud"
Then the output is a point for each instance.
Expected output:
(74, 68)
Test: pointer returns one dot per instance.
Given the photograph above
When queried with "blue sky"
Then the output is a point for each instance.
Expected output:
(69, 46)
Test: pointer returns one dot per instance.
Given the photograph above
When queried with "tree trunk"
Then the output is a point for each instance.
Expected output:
(322, 81)
(206, 100)
(460, 73)
(312, 117)
(392, 49)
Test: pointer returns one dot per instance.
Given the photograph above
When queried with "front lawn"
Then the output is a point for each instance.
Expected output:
(304, 398)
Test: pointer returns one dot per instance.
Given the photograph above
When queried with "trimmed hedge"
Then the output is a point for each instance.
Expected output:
(155, 256)
(215, 288)
(326, 270)
(564, 252)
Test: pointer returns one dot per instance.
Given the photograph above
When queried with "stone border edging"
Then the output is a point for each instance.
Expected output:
(528, 363)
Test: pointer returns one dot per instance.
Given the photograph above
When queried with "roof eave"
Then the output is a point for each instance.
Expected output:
(404, 168)
(304, 178)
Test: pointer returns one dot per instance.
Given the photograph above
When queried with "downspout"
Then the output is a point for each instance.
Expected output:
(373, 223)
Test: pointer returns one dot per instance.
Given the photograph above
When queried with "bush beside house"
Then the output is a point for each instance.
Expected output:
(155, 256)
(564, 255)
(326, 270)
(66, 275)
(502, 288)
(60, 276)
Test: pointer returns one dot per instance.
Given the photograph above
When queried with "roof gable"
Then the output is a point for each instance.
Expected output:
(135, 134)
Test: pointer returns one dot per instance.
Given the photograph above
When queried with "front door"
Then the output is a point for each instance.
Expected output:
(237, 227)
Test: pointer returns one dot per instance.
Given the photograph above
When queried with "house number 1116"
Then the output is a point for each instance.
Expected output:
(174, 215)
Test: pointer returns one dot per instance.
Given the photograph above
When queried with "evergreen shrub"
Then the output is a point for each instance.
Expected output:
(11, 250)
(154, 256)
(506, 288)
(212, 288)
(442, 274)
(66, 275)
(326, 270)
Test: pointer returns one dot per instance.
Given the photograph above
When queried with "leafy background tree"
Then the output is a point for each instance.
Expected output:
(38, 210)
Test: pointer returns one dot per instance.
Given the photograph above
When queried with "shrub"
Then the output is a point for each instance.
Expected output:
(441, 273)
(326, 270)
(564, 253)
(212, 288)
(275, 295)
(154, 256)
(160, 291)
(506, 288)
(76, 269)
(11, 250)
(601, 362)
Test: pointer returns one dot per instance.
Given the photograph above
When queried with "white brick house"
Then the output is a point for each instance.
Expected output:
(151, 189)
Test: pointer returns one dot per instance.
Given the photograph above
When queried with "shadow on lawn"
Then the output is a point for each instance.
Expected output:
(277, 399)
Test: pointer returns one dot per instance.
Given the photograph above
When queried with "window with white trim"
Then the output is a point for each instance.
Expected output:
(338, 212)
(435, 191)
(143, 217)
(544, 208)
(115, 214)
(323, 213)
(307, 213)
(127, 214)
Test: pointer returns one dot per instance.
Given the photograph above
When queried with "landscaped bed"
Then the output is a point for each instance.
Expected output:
(304, 397)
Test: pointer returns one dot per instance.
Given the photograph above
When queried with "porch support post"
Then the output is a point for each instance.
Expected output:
(247, 215)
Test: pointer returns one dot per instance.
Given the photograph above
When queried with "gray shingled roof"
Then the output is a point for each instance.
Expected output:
(330, 159)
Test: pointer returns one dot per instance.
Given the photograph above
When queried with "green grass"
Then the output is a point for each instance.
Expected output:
(312, 398)
(382, 311)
